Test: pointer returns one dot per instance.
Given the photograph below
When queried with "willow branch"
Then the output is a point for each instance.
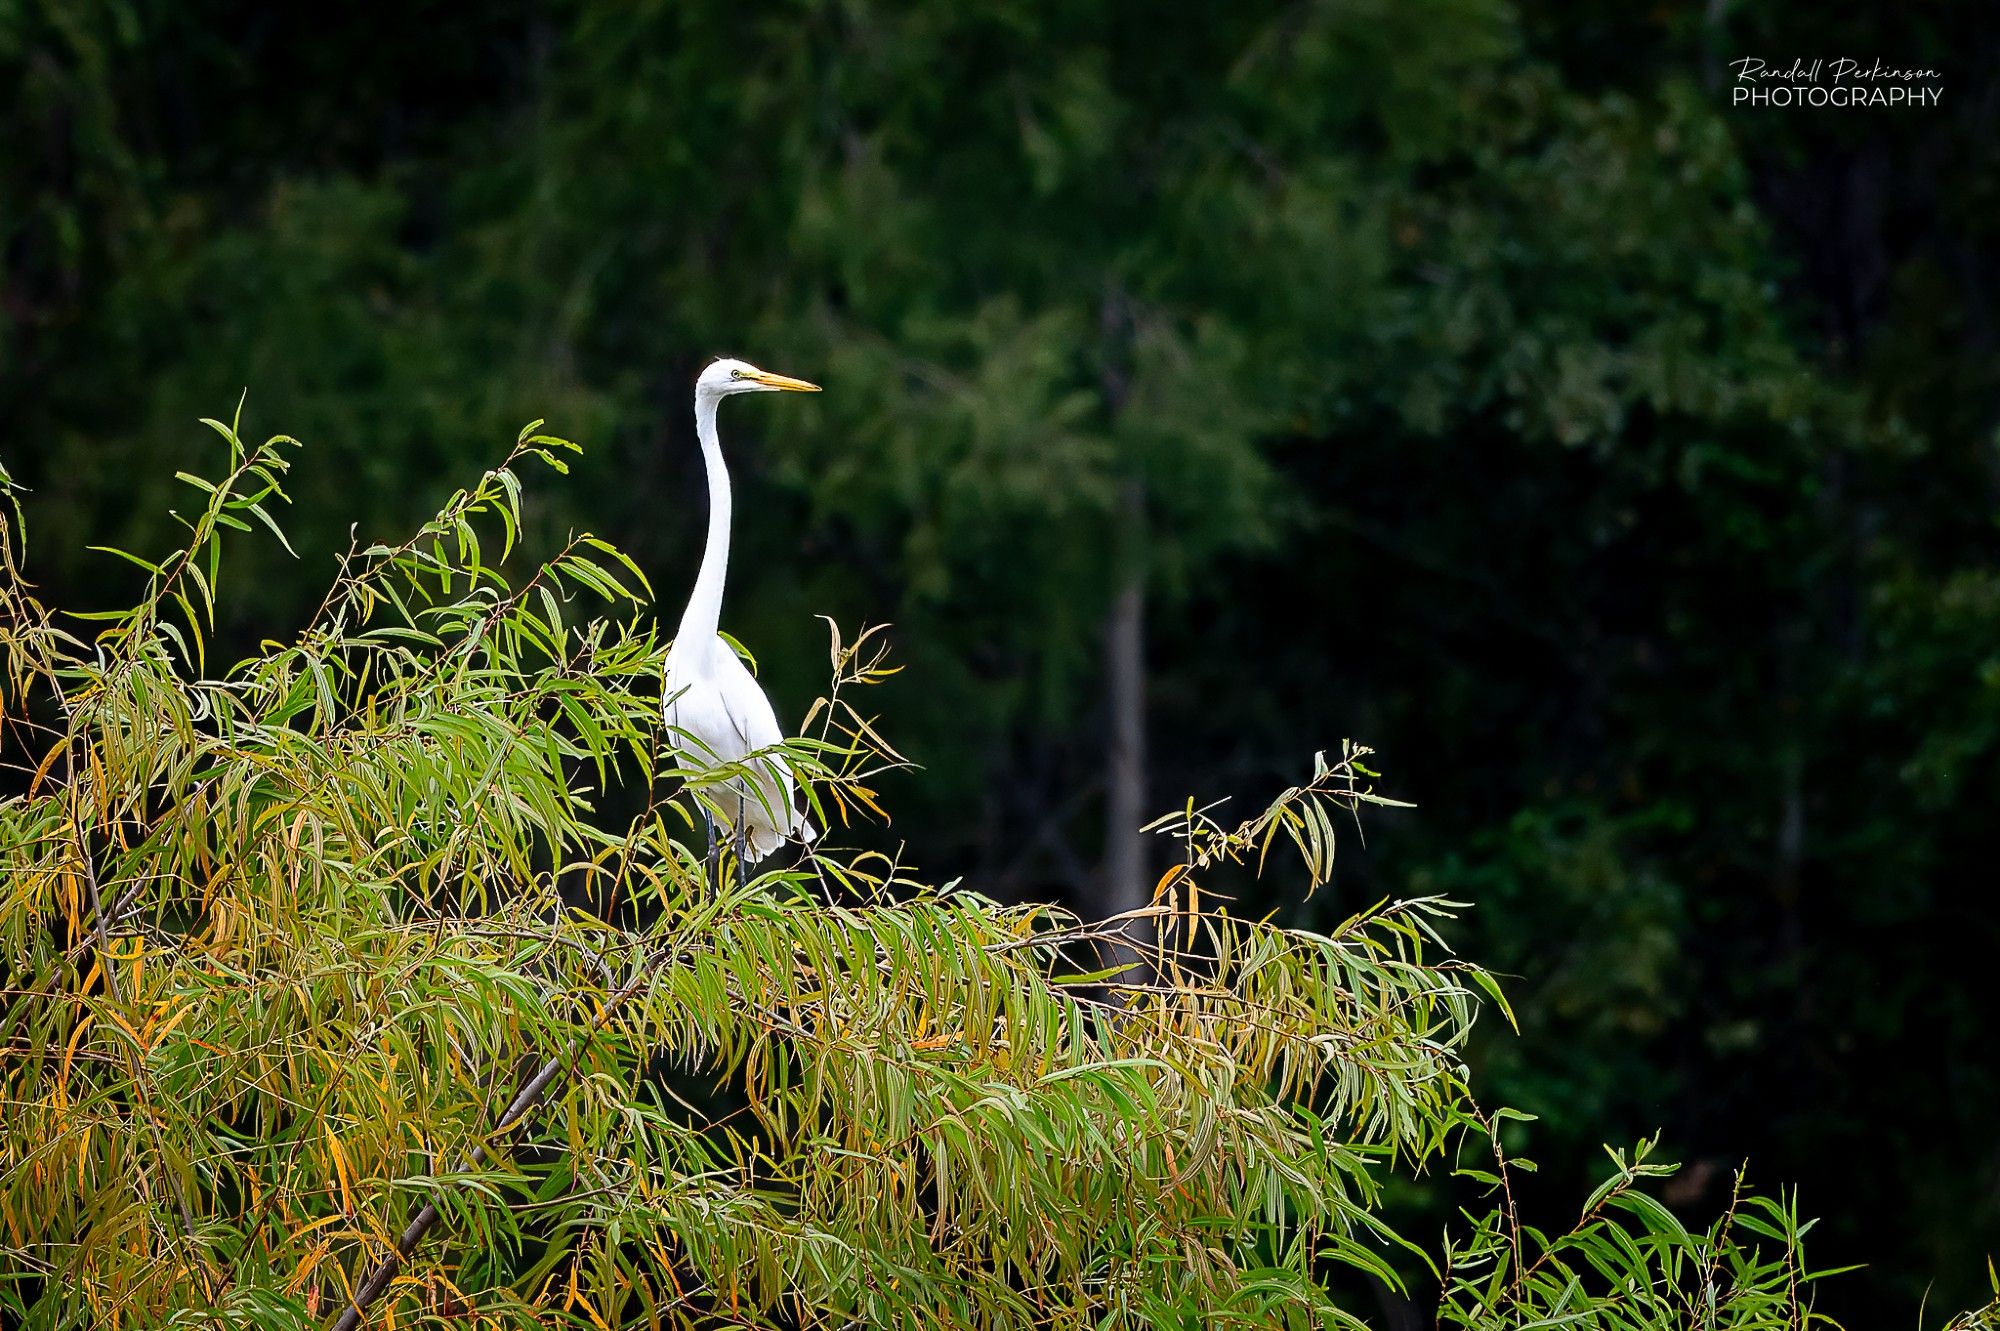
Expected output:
(525, 1101)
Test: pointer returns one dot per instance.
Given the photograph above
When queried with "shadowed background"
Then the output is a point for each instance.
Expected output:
(1204, 387)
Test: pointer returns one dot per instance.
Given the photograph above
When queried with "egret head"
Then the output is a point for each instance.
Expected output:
(734, 376)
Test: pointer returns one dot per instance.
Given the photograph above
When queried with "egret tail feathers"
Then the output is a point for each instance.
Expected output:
(764, 841)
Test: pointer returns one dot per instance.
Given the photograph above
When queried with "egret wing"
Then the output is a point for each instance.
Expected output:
(723, 717)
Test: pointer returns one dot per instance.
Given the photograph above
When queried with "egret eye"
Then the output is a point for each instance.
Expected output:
(736, 374)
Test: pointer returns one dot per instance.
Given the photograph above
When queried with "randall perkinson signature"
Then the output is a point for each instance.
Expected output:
(1839, 82)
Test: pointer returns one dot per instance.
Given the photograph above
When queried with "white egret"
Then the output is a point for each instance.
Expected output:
(716, 714)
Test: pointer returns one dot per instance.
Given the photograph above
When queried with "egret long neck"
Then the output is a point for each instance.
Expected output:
(704, 609)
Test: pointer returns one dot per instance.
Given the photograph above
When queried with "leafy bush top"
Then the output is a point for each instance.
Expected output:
(380, 972)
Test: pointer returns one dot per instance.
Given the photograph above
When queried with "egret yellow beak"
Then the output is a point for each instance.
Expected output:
(769, 380)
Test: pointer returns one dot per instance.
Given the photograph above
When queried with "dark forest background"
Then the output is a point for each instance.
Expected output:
(1207, 384)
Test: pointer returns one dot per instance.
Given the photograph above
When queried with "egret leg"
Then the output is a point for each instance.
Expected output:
(742, 843)
(711, 858)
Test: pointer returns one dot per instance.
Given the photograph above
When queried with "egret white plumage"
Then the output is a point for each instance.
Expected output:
(716, 713)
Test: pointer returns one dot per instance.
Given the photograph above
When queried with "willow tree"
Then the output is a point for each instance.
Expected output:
(380, 978)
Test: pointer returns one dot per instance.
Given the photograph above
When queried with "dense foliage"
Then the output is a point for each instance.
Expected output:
(301, 1021)
(1622, 463)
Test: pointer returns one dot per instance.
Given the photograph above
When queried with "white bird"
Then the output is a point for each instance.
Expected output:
(715, 712)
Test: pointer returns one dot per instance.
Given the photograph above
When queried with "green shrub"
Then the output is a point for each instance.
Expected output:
(384, 965)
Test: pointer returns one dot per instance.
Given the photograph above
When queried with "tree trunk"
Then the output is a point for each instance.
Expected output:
(1127, 885)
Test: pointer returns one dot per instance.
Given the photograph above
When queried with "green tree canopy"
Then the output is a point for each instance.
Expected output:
(1621, 462)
